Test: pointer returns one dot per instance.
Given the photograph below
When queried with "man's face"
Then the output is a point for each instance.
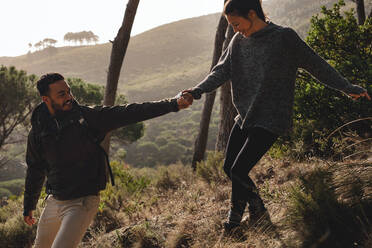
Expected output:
(240, 24)
(59, 98)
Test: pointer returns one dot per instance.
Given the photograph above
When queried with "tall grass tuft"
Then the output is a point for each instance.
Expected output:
(14, 233)
(143, 235)
(332, 207)
(211, 170)
(166, 180)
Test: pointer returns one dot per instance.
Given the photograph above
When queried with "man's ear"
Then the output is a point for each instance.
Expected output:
(45, 99)
(252, 14)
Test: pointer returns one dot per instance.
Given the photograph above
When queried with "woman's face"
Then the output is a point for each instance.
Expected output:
(240, 24)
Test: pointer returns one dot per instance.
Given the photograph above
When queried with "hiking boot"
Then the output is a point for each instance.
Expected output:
(233, 218)
(261, 219)
(230, 226)
(258, 214)
(236, 211)
(231, 230)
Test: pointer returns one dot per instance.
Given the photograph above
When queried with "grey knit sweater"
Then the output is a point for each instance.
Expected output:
(262, 69)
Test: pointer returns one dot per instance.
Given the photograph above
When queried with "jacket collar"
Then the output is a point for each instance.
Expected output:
(42, 120)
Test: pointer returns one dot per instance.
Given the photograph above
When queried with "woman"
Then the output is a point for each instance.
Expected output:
(261, 61)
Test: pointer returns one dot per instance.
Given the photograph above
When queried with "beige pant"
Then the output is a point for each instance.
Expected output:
(63, 223)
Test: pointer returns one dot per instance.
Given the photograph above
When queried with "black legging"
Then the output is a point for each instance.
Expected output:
(244, 149)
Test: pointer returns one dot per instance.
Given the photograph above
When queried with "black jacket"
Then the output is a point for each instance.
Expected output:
(62, 150)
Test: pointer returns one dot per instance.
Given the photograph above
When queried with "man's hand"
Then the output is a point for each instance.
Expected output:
(29, 219)
(185, 100)
(356, 96)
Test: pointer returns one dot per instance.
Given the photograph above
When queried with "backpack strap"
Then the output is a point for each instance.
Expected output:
(97, 139)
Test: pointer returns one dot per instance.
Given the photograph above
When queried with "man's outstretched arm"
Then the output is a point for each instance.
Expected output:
(110, 118)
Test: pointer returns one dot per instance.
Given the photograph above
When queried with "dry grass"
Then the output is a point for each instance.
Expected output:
(185, 210)
(180, 209)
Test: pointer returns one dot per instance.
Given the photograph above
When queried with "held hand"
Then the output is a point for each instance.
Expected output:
(185, 100)
(29, 219)
(195, 94)
(356, 96)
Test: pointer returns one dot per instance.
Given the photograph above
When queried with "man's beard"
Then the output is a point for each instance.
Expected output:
(58, 108)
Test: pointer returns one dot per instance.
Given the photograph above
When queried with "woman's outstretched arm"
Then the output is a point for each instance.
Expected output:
(219, 75)
(309, 60)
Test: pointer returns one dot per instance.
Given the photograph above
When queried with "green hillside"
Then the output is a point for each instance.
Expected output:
(165, 57)
(164, 60)
(159, 63)
(297, 13)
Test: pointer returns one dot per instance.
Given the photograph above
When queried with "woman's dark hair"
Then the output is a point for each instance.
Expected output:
(242, 8)
(46, 80)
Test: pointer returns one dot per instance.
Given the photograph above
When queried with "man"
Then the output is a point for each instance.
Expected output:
(63, 146)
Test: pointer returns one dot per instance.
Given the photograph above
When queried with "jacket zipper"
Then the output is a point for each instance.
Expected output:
(58, 127)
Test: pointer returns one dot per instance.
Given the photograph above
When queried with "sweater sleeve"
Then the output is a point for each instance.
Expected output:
(220, 73)
(309, 60)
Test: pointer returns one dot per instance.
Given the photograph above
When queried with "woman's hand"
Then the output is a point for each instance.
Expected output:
(356, 96)
(184, 100)
(195, 93)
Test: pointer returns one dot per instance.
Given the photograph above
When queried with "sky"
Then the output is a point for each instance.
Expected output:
(29, 21)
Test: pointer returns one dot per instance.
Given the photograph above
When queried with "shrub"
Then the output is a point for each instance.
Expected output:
(319, 110)
(330, 206)
(105, 220)
(15, 186)
(127, 186)
(143, 235)
(182, 236)
(5, 193)
(13, 207)
(14, 232)
(211, 169)
(166, 180)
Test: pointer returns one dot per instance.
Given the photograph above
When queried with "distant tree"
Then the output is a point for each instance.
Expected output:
(118, 51)
(92, 37)
(38, 45)
(48, 42)
(87, 36)
(361, 12)
(149, 152)
(86, 93)
(68, 37)
(227, 109)
(17, 100)
(30, 46)
(171, 152)
(3, 161)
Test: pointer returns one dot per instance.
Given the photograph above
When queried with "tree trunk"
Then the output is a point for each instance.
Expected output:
(202, 138)
(360, 11)
(227, 109)
(119, 48)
